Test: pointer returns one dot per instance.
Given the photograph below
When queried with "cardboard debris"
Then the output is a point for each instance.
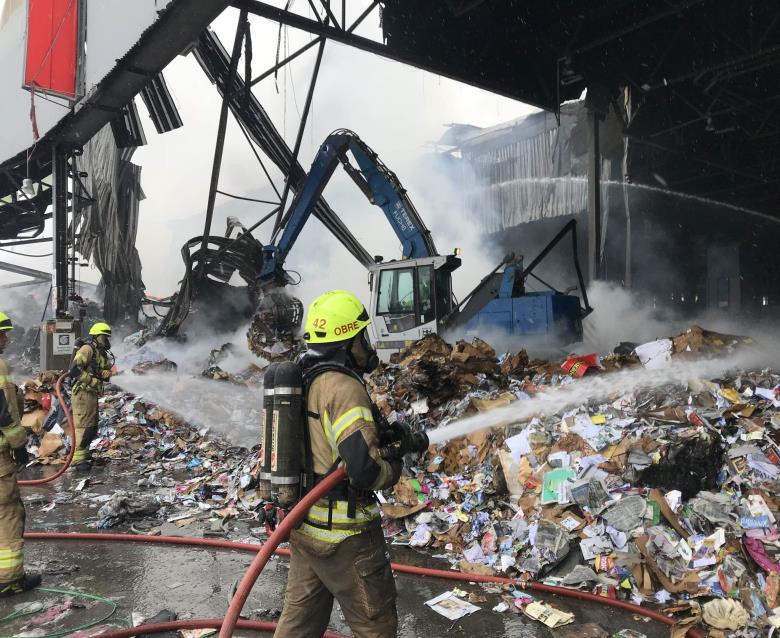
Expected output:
(50, 444)
(662, 493)
(399, 511)
(633, 480)
(547, 614)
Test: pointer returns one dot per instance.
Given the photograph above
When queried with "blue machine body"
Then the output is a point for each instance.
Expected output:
(547, 315)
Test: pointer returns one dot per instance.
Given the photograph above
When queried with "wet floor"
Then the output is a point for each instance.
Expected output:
(143, 579)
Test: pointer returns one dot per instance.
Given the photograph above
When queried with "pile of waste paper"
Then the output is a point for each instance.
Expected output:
(665, 495)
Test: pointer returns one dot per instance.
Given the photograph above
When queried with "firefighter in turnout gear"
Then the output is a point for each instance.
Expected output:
(339, 550)
(91, 368)
(13, 453)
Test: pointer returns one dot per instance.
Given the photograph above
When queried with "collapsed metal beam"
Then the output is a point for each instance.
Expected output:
(23, 242)
(265, 10)
(215, 62)
(219, 147)
(314, 42)
(296, 21)
(299, 138)
(287, 60)
(39, 275)
(29, 282)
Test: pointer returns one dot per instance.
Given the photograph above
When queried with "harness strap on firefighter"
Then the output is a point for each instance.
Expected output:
(351, 495)
(317, 479)
(331, 469)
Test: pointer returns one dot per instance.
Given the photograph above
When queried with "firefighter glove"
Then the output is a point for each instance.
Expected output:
(395, 441)
(390, 433)
(20, 456)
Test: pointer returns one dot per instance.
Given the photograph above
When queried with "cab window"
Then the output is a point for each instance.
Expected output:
(396, 292)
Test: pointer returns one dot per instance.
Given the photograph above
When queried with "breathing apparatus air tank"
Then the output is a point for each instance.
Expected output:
(287, 434)
(266, 426)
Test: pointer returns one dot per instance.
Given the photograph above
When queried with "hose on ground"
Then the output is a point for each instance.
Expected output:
(202, 623)
(71, 431)
(397, 567)
(279, 535)
(270, 547)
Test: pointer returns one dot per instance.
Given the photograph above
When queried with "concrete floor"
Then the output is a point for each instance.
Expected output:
(144, 579)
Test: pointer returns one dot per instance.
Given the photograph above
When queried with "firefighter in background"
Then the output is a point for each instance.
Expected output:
(339, 549)
(13, 453)
(91, 368)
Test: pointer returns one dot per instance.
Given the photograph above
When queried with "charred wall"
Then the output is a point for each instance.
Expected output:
(687, 254)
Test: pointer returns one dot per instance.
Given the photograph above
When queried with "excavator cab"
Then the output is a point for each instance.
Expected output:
(409, 298)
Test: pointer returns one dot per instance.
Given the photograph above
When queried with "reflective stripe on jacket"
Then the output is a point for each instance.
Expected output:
(12, 434)
(343, 427)
(88, 363)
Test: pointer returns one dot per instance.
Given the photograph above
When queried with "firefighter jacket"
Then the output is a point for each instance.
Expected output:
(90, 369)
(341, 425)
(12, 434)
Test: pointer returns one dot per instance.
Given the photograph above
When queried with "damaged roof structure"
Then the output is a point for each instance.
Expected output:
(647, 475)
(694, 113)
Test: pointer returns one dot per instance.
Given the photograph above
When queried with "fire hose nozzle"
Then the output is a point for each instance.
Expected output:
(420, 442)
(405, 442)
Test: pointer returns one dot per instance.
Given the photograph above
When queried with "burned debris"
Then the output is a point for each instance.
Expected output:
(662, 495)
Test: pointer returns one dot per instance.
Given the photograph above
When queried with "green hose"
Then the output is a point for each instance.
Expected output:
(58, 634)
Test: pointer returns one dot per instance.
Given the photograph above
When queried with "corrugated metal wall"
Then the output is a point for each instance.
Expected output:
(524, 180)
(109, 225)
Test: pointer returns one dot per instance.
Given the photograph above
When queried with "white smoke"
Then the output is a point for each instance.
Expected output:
(556, 400)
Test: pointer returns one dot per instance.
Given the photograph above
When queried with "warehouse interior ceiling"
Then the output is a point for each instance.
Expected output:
(695, 82)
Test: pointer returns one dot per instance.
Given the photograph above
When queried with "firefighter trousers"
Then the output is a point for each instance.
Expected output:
(11, 529)
(356, 572)
(85, 420)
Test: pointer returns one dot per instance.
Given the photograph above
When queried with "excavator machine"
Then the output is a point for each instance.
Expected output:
(412, 296)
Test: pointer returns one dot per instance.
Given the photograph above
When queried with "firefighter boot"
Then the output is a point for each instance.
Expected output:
(25, 583)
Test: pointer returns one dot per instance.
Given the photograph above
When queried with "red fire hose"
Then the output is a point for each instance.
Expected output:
(397, 567)
(203, 623)
(280, 534)
(231, 621)
(71, 431)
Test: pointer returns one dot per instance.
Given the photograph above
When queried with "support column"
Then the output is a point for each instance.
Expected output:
(627, 282)
(59, 280)
(76, 207)
(594, 197)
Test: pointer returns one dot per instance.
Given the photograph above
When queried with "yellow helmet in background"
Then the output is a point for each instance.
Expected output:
(335, 316)
(5, 322)
(100, 328)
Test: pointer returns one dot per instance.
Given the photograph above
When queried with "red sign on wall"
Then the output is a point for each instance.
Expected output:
(52, 46)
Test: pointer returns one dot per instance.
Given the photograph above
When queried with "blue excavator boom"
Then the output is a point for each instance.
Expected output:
(380, 186)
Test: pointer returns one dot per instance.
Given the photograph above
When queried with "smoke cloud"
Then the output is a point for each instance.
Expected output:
(229, 409)
(624, 315)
